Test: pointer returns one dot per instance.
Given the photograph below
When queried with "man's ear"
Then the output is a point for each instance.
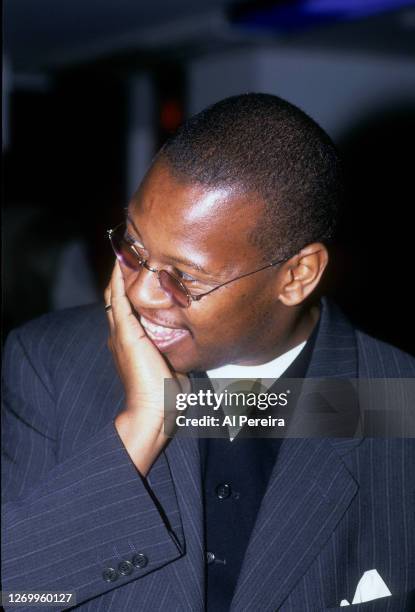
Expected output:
(302, 273)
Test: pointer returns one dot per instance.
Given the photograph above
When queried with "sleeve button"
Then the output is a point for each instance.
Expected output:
(125, 568)
(110, 574)
(139, 560)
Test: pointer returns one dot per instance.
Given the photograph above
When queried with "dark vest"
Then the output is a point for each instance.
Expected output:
(235, 476)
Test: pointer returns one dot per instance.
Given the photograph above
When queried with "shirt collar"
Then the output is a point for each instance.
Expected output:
(271, 369)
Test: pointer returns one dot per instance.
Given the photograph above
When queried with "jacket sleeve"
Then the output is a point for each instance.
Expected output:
(88, 524)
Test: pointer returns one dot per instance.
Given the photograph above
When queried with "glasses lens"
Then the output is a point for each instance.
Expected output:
(123, 248)
(174, 289)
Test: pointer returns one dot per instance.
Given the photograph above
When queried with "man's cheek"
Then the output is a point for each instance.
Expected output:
(214, 337)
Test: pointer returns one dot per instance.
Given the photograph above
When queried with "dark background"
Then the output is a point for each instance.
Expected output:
(91, 90)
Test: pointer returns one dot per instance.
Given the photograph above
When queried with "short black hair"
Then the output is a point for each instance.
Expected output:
(269, 147)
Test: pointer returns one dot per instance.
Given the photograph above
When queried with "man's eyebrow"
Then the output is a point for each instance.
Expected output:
(180, 260)
(190, 264)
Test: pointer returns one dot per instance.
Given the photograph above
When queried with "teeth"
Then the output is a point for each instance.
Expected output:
(160, 331)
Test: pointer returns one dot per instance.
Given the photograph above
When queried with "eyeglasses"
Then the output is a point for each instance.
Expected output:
(126, 251)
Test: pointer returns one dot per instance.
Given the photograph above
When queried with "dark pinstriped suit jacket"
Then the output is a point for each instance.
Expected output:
(334, 508)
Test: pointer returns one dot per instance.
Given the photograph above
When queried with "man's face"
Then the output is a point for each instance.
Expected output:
(208, 228)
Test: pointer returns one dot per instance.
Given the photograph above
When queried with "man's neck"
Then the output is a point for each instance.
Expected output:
(304, 327)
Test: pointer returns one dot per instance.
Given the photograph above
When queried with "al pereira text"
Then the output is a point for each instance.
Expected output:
(229, 421)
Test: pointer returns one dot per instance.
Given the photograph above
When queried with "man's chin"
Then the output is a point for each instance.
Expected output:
(187, 357)
(181, 361)
(184, 364)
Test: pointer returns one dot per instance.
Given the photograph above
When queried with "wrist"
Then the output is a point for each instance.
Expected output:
(143, 441)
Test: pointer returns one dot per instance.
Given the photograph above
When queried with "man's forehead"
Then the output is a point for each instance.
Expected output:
(196, 206)
(206, 223)
(191, 200)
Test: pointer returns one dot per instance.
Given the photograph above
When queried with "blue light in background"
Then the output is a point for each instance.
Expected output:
(304, 13)
(351, 8)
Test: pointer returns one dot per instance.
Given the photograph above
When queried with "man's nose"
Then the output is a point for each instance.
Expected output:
(144, 291)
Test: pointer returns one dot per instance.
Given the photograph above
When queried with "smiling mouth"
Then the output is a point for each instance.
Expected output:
(161, 335)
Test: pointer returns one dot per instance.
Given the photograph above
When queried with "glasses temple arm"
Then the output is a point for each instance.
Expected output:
(269, 265)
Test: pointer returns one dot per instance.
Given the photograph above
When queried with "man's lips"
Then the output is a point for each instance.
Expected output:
(163, 335)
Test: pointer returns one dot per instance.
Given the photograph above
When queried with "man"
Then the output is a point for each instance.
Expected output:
(218, 263)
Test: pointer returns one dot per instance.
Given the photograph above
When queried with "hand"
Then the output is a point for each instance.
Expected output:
(142, 370)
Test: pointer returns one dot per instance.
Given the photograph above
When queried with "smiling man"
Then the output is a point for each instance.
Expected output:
(236, 307)
(219, 258)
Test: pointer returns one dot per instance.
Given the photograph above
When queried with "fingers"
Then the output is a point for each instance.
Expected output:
(107, 301)
(124, 320)
(128, 340)
(121, 306)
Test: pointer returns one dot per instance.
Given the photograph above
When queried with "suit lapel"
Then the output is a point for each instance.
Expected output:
(309, 490)
(187, 575)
